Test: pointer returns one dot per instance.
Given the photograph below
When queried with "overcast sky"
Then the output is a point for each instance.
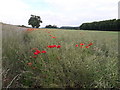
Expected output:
(58, 12)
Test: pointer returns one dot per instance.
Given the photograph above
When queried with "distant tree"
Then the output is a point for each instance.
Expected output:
(50, 26)
(34, 21)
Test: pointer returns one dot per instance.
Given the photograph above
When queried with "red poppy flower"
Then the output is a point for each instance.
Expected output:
(53, 37)
(35, 53)
(54, 45)
(58, 46)
(81, 43)
(50, 46)
(76, 45)
(90, 44)
(50, 35)
(43, 51)
(87, 46)
(38, 51)
(30, 64)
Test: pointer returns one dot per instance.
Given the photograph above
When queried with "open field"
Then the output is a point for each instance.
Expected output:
(84, 59)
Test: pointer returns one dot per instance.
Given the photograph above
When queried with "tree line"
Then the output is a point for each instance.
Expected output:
(51, 26)
(69, 27)
(106, 25)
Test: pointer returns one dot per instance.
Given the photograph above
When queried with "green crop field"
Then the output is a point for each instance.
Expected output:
(57, 58)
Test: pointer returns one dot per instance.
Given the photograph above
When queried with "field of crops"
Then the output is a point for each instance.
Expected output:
(56, 58)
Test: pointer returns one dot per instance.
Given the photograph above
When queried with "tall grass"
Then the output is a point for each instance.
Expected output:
(68, 66)
(0, 55)
(12, 46)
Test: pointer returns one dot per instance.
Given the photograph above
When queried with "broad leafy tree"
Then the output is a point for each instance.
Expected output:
(34, 21)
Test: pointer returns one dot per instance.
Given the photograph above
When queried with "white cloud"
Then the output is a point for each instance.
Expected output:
(79, 11)
(81, 4)
(12, 11)
(59, 12)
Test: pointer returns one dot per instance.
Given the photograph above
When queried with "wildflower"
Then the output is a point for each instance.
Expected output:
(50, 35)
(50, 46)
(38, 51)
(87, 46)
(76, 45)
(58, 46)
(30, 64)
(43, 51)
(54, 45)
(90, 44)
(53, 37)
(81, 44)
(35, 53)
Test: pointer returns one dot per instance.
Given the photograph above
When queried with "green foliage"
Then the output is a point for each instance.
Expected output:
(68, 27)
(107, 25)
(34, 21)
(50, 26)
